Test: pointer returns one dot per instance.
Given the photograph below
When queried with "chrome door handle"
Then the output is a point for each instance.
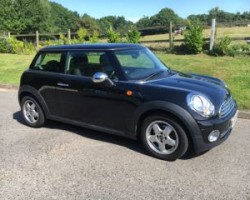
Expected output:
(63, 84)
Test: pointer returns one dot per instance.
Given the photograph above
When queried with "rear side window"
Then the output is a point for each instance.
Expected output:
(50, 62)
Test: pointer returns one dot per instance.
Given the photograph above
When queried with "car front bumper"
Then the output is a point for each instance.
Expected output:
(224, 126)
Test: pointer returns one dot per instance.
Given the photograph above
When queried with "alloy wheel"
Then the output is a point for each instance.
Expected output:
(162, 137)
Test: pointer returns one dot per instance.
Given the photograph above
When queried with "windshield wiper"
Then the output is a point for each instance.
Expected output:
(153, 75)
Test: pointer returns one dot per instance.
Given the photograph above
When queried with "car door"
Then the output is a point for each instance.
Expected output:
(97, 105)
(45, 76)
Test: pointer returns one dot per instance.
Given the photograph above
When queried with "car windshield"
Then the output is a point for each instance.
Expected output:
(140, 64)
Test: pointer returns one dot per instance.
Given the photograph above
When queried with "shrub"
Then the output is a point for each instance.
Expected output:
(223, 47)
(29, 48)
(75, 41)
(193, 38)
(82, 33)
(244, 48)
(95, 37)
(5, 46)
(113, 36)
(133, 36)
(12, 45)
(51, 42)
(62, 39)
(16, 46)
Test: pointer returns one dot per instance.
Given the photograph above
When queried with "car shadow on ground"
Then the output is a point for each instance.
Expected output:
(96, 135)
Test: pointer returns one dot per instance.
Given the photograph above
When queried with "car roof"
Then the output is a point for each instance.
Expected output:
(100, 46)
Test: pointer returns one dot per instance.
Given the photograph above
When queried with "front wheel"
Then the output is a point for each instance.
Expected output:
(32, 112)
(163, 137)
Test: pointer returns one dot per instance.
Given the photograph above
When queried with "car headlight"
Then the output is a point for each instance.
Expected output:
(201, 105)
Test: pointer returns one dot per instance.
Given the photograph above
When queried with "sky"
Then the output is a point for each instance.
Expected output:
(135, 9)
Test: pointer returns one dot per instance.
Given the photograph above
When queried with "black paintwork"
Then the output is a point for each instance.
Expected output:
(110, 110)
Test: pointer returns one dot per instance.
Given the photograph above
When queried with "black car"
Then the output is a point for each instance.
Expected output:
(124, 89)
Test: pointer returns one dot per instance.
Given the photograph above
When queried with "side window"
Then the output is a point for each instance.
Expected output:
(50, 62)
(85, 63)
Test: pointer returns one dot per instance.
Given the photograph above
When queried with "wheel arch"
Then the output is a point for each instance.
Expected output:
(31, 91)
(169, 109)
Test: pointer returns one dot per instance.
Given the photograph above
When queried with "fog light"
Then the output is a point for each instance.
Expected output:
(214, 136)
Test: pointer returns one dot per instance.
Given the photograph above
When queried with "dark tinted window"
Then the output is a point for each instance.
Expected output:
(51, 62)
(85, 63)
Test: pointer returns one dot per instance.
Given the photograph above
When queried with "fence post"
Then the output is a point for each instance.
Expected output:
(37, 40)
(69, 36)
(8, 34)
(171, 44)
(212, 37)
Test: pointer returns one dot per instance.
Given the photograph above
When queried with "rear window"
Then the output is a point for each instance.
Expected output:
(50, 62)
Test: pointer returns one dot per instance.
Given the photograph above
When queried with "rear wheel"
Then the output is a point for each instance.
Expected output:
(163, 137)
(32, 112)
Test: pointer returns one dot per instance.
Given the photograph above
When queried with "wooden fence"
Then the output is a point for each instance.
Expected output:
(69, 35)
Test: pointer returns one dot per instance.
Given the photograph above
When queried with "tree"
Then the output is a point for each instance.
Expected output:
(89, 23)
(164, 17)
(27, 16)
(24, 16)
(63, 18)
(9, 18)
(119, 24)
(144, 22)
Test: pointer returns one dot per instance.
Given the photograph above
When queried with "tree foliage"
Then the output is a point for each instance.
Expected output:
(222, 17)
(27, 16)
(119, 24)
(89, 23)
(63, 19)
(162, 18)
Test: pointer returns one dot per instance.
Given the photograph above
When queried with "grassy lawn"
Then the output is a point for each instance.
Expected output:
(12, 66)
(234, 71)
(220, 32)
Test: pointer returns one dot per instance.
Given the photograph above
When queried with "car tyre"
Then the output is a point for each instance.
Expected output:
(163, 137)
(32, 112)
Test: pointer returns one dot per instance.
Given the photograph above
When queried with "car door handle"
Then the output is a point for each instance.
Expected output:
(63, 84)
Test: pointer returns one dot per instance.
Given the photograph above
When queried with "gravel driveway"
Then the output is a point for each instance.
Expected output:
(66, 162)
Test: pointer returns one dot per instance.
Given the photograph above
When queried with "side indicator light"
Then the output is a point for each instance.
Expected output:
(129, 93)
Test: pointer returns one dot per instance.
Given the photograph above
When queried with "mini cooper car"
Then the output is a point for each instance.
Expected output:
(124, 89)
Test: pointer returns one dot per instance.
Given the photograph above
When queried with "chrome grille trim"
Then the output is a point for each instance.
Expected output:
(227, 106)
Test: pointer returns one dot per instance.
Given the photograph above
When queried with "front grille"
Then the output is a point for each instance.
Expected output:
(227, 106)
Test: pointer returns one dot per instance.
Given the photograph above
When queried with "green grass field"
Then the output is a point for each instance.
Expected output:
(235, 71)
(220, 32)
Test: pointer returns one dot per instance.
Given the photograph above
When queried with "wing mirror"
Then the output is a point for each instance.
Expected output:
(102, 78)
